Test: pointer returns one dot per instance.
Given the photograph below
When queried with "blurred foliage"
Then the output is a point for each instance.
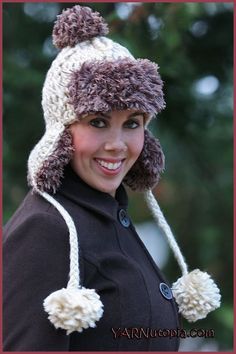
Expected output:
(193, 45)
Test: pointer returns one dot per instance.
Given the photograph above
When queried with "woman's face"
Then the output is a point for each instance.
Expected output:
(106, 147)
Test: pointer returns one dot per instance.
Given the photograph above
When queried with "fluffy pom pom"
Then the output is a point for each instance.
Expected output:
(196, 295)
(73, 309)
(77, 24)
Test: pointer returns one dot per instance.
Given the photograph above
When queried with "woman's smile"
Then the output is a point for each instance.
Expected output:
(110, 166)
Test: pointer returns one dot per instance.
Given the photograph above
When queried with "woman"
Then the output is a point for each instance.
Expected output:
(97, 102)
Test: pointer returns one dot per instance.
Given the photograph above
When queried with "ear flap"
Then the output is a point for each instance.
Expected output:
(48, 177)
(145, 173)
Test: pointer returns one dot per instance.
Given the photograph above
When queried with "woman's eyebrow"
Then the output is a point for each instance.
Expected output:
(136, 114)
(103, 114)
(107, 115)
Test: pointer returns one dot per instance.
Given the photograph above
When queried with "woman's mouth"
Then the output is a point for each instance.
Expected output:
(109, 167)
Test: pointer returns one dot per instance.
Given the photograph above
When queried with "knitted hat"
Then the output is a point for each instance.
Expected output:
(93, 74)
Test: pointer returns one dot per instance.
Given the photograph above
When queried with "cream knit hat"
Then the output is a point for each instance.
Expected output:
(90, 74)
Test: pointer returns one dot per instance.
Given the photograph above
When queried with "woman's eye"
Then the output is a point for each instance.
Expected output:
(98, 123)
(132, 124)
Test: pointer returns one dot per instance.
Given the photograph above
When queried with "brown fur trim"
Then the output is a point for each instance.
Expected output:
(146, 171)
(49, 177)
(103, 86)
(77, 24)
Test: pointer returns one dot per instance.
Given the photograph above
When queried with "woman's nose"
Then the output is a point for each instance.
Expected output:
(115, 143)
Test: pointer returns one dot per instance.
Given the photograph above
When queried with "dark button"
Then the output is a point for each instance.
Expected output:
(165, 291)
(123, 217)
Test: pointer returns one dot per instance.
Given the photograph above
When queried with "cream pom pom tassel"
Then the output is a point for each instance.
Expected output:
(73, 308)
(196, 295)
(195, 292)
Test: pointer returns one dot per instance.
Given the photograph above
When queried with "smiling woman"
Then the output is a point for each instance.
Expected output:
(72, 232)
(106, 147)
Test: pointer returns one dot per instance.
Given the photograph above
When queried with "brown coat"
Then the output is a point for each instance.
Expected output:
(113, 260)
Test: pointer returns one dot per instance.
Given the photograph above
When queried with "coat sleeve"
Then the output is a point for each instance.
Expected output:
(35, 263)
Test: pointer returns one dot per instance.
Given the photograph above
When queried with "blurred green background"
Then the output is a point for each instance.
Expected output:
(193, 45)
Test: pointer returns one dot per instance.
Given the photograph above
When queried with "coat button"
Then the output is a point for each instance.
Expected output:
(123, 218)
(165, 291)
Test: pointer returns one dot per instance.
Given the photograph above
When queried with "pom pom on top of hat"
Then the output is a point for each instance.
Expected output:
(77, 24)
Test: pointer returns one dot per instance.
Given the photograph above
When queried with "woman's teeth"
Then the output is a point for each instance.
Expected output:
(109, 165)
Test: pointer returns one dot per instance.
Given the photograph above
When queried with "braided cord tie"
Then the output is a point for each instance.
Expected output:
(74, 275)
(161, 221)
(74, 308)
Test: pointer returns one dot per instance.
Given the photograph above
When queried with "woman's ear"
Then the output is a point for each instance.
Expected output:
(145, 173)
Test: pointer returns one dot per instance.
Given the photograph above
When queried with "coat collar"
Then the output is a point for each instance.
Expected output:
(75, 189)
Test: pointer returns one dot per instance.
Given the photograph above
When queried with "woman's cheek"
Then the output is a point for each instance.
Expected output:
(138, 143)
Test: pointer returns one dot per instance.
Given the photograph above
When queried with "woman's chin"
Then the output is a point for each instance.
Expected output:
(106, 186)
(109, 188)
